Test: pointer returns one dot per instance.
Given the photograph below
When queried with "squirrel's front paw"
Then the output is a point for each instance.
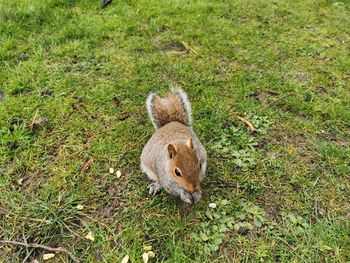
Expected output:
(186, 197)
(154, 188)
(196, 196)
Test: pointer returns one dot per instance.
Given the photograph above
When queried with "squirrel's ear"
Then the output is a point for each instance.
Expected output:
(171, 150)
(189, 143)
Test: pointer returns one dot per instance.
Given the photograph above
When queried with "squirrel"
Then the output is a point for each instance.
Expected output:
(173, 158)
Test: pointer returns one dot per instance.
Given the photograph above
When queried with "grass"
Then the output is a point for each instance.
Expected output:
(75, 78)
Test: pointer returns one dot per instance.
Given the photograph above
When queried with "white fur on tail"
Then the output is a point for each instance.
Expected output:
(175, 107)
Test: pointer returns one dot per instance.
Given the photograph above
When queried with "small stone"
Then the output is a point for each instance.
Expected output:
(111, 170)
(212, 205)
(48, 256)
(80, 207)
(119, 173)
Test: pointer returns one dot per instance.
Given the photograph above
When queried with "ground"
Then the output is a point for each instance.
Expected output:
(74, 78)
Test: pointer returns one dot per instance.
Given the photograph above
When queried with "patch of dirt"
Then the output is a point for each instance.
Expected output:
(292, 110)
(29, 182)
(46, 92)
(342, 143)
(286, 139)
(333, 137)
(98, 255)
(79, 106)
(20, 90)
(230, 252)
(124, 117)
(263, 96)
(37, 122)
(243, 231)
(296, 187)
(262, 144)
(174, 46)
(302, 77)
(280, 135)
(273, 211)
(163, 28)
(139, 51)
(113, 199)
(23, 57)
(3, 211)
(78, 103)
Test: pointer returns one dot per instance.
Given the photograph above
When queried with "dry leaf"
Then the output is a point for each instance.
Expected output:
(145, 257)
(125, 259)
(147, 248)
(80, 207)
(111, 170)
(48, 256)
(89, 236)
(20, 181)
(119, 173)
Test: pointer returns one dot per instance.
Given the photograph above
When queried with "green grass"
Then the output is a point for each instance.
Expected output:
(86, 72)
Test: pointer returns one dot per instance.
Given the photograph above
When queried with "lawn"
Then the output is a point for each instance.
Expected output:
(74, 78)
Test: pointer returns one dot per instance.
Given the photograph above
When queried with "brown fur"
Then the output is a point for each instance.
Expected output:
(186, 161)
(169, 109)
(173, 146)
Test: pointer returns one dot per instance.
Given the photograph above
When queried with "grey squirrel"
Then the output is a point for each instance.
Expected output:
(173, 158)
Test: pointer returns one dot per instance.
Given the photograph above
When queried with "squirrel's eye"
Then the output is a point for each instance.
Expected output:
(177, 172)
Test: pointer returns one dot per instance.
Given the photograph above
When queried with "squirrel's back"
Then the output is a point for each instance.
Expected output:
(173, 108)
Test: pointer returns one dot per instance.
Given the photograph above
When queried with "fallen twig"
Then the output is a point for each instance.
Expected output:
(85, 166)
(188, 48)
(249, 124)
(34, 245)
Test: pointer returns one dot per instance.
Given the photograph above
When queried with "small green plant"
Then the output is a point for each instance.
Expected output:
(238, 145)
(212, 231)
(261, 123)
(244, 158)
(250, 214)
(298, 223)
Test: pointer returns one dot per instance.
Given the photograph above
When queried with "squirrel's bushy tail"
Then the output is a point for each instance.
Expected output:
(175, 107)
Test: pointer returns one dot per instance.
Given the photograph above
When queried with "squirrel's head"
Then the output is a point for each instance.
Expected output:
(184, 166)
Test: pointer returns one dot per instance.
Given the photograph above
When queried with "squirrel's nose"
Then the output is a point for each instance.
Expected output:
(193, 189)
